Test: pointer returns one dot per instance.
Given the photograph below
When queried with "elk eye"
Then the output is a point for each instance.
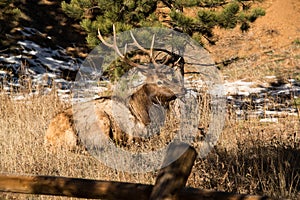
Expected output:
(159, 83)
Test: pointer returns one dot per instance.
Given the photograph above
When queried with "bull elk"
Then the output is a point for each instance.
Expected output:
(123, 119)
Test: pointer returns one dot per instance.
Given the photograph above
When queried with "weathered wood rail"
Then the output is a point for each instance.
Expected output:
(96, 189)
(170, 184)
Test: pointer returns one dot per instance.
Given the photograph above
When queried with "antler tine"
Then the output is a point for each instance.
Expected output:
(137, 44)
(102, 39)
(149, 52)
(114, 45)
(151, 48)
(178, 61)
(125, 49)
(167, 58)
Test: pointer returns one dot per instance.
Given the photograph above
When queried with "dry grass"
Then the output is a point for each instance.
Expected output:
(250, 157)
(283, 63)
(23, 124)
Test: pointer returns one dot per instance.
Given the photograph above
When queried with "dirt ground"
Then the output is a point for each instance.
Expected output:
(277, 30)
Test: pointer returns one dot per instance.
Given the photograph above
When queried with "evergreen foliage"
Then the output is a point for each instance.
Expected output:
(8, 14)
(128, 14)
(8, 10)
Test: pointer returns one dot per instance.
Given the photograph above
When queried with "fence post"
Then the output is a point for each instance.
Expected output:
(172, 178)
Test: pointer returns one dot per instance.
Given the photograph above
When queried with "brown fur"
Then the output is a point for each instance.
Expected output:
(60, 132)
(63, 133)
(135, 112)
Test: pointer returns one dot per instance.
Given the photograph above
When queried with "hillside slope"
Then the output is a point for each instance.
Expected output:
(271, 38)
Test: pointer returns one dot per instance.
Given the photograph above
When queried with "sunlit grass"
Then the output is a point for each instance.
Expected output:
(250, 157)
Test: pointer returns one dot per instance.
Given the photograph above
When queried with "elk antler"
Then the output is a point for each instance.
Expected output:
(149, 52)
(114, 46)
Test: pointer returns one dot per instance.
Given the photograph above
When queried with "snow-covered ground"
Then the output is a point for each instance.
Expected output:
(266, 102)
(44, 67)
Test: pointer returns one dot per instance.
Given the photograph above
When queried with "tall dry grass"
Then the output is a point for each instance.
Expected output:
(22, 127)
(250, 157)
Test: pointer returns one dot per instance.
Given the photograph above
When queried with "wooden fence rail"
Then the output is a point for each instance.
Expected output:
(85, 188)
(170, 183)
